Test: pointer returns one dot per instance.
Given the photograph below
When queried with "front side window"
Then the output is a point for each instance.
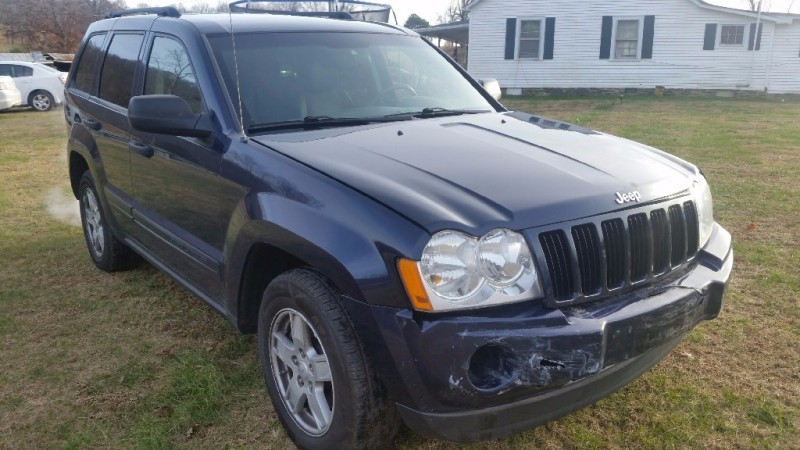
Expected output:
(731, 35)
(119, 67)
(627, 39)
(530, 38)
(169, 71)
(84, 75)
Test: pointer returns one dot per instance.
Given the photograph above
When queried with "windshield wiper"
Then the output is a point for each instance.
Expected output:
(313, 122)
(436, 111)
(439, 111)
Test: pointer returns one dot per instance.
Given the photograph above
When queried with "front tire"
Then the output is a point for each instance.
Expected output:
(321, 384)
(107, 252)
(41, 101)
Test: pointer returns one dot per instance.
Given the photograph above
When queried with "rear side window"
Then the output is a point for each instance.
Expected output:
(16, 71)
(84, 75)
(119, 67)
(169, 71)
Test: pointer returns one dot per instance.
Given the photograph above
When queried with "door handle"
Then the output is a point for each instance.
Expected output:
(142, 149)
(91, 123)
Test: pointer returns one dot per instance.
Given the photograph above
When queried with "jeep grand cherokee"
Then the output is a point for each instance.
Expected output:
(403, 246)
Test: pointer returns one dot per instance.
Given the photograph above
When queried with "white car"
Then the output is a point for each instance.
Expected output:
(42, 87)
(9, 94)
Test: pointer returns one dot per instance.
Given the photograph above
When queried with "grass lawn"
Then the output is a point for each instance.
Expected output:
(89, 359)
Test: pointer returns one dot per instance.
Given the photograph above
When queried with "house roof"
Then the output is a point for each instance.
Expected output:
(454, 32)
(781, 18)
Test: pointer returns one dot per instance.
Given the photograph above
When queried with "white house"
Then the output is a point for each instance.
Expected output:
(678, 44)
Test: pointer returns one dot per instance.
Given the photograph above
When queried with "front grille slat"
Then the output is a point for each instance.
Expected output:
(588, 251)
(619, 252)
(559, 262)
(677, 226)
(614, 238)
(640, 247)
(692, 229)
(661, 241)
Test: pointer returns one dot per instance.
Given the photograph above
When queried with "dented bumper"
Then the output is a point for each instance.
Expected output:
(482, 376)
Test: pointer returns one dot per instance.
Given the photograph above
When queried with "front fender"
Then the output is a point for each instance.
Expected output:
(355, 244)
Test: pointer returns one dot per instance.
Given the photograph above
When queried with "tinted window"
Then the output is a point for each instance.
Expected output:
(169, 71)
(84, 75)
(16, 71)
(116, 77)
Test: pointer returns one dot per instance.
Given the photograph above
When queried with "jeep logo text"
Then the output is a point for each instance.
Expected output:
(628, 197)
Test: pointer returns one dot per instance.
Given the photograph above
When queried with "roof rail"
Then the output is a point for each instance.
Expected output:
(163, 11)
(352, 9)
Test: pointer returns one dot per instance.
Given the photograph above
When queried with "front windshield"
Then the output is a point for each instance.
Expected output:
(289, 77)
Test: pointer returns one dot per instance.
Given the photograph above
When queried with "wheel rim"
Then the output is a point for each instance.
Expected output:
(41, 102)
(93, 223)
(301, 371)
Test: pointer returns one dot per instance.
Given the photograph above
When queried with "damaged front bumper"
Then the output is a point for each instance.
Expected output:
(486, 374)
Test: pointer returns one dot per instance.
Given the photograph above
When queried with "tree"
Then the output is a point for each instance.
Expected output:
(52, 25)
(456, 12)
(754, 5)
(415, 21)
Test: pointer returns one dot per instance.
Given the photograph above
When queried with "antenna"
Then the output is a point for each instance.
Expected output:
(242, 134)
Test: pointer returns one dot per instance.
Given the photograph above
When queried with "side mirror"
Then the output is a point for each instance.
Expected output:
(492, 87)
(167, 114)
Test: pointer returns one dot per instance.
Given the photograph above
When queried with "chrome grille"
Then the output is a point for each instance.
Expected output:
(590, 259)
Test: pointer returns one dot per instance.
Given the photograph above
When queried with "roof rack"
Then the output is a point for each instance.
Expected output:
(337, 9)
(163, 11)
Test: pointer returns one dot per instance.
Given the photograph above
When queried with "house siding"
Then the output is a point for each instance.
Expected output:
(678, 59)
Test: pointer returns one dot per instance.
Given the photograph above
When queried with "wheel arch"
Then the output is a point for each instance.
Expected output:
(77, 166)
(264, 263)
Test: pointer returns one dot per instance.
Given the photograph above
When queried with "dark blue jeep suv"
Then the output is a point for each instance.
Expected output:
(404, 247)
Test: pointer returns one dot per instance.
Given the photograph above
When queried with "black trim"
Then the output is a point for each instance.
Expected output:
(511, 37)
(163, 11)
(710, 39)
(605, 37)
(549, 37)
(647, 38)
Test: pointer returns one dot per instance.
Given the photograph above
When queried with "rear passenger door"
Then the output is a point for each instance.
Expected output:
(100, 99)
(175, 179)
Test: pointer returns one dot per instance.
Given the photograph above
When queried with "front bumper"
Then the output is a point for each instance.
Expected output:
(9, 99)
(488, 373)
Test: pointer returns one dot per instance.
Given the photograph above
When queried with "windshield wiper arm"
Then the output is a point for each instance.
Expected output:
(439, 111)
(311, 122)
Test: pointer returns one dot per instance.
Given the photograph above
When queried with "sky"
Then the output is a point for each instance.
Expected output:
(430, 10)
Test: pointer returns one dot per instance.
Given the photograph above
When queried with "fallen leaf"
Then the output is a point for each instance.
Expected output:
(192, 430)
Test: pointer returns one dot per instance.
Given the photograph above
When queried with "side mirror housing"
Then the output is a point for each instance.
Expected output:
(492, 87)
(167, 114)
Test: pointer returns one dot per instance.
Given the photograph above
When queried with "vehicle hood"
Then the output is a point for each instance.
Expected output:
(482, 171)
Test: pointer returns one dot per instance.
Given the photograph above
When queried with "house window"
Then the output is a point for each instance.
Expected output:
(626, 41)
(731, 35)
(530, 39)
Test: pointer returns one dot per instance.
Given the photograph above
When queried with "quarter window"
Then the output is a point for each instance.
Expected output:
(119, 67)
(169, 71)
(731, 35)
(530, 39)
(84, 75)
(626, 44)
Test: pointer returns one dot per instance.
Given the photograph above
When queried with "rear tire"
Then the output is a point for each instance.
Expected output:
(107, 252)
(320, 381)
(41, 101)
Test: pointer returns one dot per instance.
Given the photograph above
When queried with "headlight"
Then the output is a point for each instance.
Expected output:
(459, 271)
(705, 208)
